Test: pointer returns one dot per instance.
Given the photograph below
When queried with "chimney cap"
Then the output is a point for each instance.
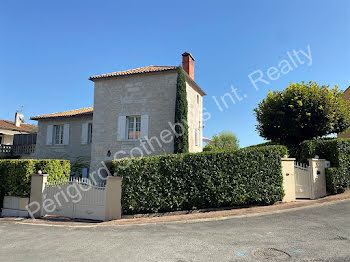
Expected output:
(188, 54)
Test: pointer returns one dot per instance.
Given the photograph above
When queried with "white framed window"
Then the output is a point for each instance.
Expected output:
(133, 127)
(58, 134)
(89, 141)
(197, 99)
(0, 139)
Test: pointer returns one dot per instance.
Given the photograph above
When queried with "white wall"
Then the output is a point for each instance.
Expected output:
(7, 139)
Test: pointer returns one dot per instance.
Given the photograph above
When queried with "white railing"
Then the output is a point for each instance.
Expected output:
(301, 166)
(78, 180)
(17, 150)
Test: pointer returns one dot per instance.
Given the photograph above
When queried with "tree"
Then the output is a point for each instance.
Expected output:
(226, 140)
(181, 108)
(302, 112)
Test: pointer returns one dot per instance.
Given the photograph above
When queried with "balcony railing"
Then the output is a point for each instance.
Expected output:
(17, 150)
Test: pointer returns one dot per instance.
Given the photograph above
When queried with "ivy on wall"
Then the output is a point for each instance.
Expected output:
(181, 110)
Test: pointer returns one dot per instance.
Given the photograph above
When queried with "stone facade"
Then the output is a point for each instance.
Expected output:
(152, 95)
(195, 119)
(73, 150)
(133, 116)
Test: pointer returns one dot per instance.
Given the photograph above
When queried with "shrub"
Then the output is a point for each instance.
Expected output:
(336, 180)
(269, 143)
(301, 112)
(15, 174)
(224, 141)
(335, 150)
(201, 180)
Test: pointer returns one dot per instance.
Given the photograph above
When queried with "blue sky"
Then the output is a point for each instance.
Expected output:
(48, 49)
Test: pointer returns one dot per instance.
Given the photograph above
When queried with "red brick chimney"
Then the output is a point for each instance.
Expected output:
(188, 64)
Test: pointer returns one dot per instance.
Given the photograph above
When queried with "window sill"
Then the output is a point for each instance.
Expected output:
(132, 140)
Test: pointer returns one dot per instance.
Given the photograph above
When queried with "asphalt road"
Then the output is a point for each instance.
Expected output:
(311, 234)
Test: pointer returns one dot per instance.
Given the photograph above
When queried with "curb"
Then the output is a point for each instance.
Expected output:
(196, 217)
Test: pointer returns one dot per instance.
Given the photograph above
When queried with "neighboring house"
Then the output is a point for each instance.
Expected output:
(346, 96)
(8, 129)
(132, 116)
(207, 140)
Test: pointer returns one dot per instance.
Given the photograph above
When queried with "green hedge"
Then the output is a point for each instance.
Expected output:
(336, 180)
(338, 152)
(201, 180)
(15, 174)
(269, 143)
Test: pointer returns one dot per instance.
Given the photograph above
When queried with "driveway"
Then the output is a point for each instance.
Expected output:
(317, 233)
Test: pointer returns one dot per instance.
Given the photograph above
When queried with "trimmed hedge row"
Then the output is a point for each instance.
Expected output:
(338, 152)
(336, 180)
(15, 174)
(201, 180)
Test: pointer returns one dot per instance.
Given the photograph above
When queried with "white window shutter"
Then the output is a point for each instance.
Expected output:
(49, 133)
(197, 137)
(144, 126)
(66, 134)
(121, 128)
(84, 133)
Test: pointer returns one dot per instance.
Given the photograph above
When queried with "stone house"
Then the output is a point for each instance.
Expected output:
(346, 96)
(133, 115)
(8, 129)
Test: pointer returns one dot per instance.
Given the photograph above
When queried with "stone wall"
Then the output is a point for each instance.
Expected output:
(195, 119)
(153, 95)
(75, 149)
(147, 94)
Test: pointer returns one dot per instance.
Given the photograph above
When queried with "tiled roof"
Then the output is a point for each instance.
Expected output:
(77, 112)
(147, 69)
(346, 94)
(10, 125)
(347, 90)
(141, 70)
(207, 140)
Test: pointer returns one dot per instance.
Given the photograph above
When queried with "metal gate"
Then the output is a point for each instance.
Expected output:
(75, 198)
(303, 175)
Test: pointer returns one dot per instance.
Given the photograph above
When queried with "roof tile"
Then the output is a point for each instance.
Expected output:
(141, 70)
(77, 112)
(10, 125)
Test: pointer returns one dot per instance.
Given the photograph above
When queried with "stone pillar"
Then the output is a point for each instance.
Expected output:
(288, 179)
(113, 204)
(36, 194)
(318, 178)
